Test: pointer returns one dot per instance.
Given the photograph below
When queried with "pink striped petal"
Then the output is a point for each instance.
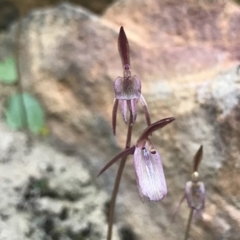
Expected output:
(150, 175)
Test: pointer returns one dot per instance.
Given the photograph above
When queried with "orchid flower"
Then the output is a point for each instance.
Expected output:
(127, 88)
(194, 189)
(147, 163)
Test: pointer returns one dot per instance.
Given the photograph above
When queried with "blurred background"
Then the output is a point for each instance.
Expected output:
(186, 54)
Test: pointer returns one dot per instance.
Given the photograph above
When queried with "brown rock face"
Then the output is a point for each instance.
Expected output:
(186, 55)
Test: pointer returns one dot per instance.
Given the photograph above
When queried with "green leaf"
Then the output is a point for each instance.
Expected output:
(16, 118)
(8, 71)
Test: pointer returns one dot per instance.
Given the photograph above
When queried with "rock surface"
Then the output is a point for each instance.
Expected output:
(11, 9)
(46, 194)
(186, 55)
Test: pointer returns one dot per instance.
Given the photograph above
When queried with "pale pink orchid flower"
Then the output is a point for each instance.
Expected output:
(127, 88)
(147, 164)
(195, 196)
(194, 190)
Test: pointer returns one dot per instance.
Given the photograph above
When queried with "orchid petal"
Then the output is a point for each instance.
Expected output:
(188, 193)
(123, 106)
(145, 110)
(202, 195)
(127, 88)
(134, 108)
(114, 115)
(155, 126)
(123, 48)
(197, 158)
(150, 175)
(124, 153)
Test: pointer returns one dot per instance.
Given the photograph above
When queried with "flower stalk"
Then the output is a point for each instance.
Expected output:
(189, 224)
(118, 180)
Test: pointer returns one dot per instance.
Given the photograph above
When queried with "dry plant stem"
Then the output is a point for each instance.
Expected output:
(189, 224)
(118, 179)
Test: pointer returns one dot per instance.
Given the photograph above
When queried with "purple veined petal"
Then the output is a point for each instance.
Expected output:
(153, 127)
(127, 88)
(124, 108)
(123, 48)
(150, 175)
(114, 115)
(120, 155)
(145, 110)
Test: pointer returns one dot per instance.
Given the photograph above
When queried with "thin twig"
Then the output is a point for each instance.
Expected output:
(118, 179)
(189, 224)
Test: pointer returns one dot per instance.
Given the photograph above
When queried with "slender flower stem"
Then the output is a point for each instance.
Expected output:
(118, 179)
(189, 224)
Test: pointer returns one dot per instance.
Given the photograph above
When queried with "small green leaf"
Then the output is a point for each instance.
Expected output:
(8, 71)
(16, 118)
